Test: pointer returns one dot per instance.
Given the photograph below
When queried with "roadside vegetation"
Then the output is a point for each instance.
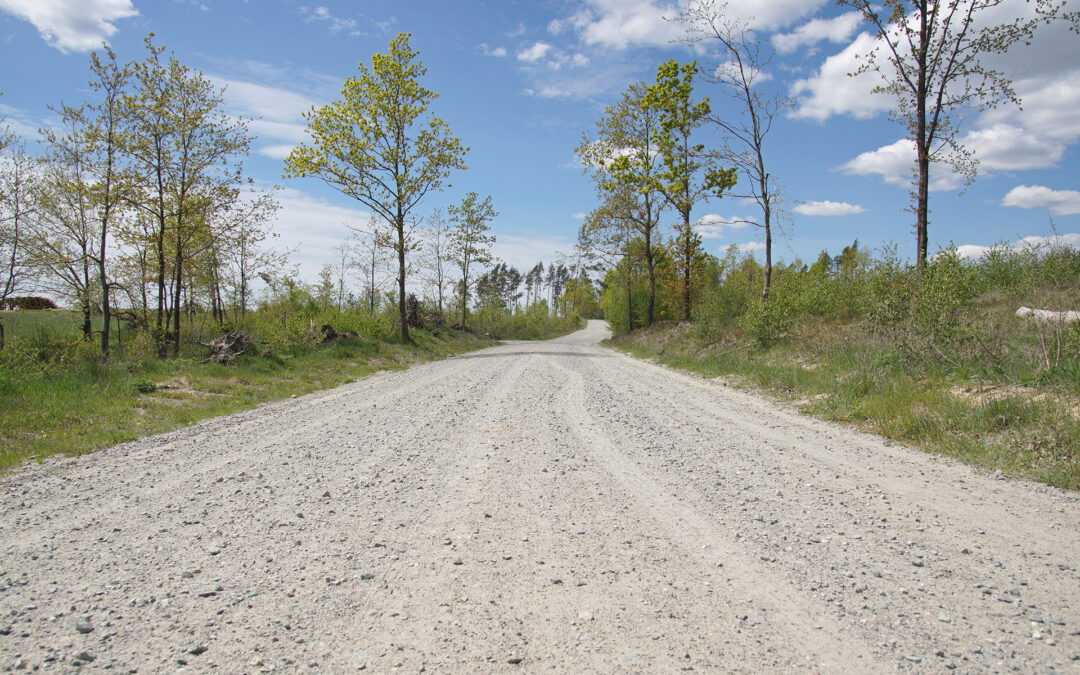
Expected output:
(936, 358)
(136, 212)
(58, 395)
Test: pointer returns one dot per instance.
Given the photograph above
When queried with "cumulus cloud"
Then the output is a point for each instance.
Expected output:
(831, 91)
(534, 53)
(751, 247)
(827, 208)
(1057, 202)
(894, 164)
(837, 29)
(67, 25)
(620, 24)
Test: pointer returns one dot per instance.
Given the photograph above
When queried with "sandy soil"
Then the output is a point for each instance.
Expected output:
(549, 506)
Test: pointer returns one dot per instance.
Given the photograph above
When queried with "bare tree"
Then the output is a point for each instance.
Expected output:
(436, 259)
(742, 59)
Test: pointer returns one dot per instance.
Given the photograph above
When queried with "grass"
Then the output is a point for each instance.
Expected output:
(96, 405)
(1030, 430)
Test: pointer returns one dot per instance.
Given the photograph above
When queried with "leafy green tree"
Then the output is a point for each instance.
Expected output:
(109, 139)
(187, 152)
(689, 175)
(373, 146)
(625, 162)
(930, 57)
(470, 243)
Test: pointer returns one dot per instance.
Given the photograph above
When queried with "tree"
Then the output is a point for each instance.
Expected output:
(470, 243)
(625, 161)
(111, 192)
(371, 264)
(608, 236)
(436, 258)
(64, 240)
(929, 56)
(186, 149)
(373, 147)
(20, 206)
(688, 174)
(740, 72)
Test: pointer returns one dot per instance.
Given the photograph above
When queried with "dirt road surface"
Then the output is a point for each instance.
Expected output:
(536, 507)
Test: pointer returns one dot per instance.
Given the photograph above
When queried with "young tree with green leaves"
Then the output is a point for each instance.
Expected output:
(372, 145)
(930, 58)
(740, 72)
(609, 236)
(470, 243)
(109, 140)
(688, 175)
(625, 164)
(187, 151)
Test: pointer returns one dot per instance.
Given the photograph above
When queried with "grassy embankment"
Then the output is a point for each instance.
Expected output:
(839, 372)
(72, 402)
(936, 359)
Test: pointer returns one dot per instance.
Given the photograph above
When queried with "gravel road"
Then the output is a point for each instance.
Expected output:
(549, 506)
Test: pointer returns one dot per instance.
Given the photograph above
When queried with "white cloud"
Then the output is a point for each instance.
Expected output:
(1011, 148)
(971, 251)
(335, 23)
(831, 91)
(279, 125)
(497, 52)
(751, 247)
(620, 24)
(827, 208)
(895, 163)
(71, 25)
(534, 53)
(580, 215)
(520, 30)
(837, 29)
(1058, 202)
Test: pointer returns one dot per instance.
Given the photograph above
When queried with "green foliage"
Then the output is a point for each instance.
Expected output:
(923, 312)
(376, 146)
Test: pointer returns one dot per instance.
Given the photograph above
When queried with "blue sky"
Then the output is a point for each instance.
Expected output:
(519, 82)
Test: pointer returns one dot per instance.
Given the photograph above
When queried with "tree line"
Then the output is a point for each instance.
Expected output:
(139, 199)
(646, 161)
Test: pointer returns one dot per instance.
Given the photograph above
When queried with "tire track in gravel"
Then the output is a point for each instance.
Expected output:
(536, 506)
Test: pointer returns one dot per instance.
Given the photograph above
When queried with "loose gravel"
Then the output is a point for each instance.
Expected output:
(549, 506)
